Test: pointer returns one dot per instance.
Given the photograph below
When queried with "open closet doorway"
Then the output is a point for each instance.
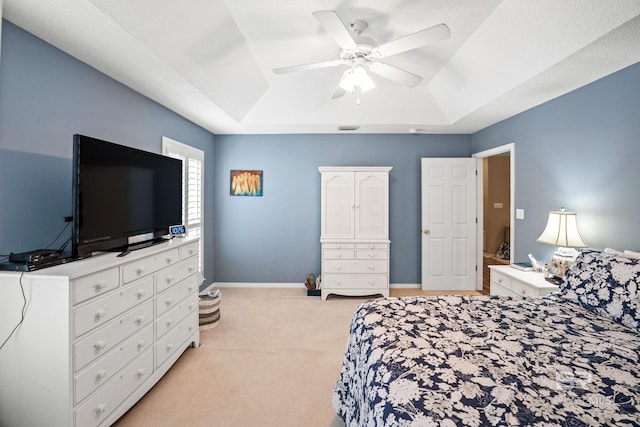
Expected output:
(495, 210)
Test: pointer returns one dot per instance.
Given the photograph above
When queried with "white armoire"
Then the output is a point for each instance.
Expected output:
(354, 231)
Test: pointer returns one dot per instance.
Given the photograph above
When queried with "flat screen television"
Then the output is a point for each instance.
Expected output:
(123, 198)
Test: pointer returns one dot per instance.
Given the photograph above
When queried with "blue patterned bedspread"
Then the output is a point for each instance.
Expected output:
(476, 361)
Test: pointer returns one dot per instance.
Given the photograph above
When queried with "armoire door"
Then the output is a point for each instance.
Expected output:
(371, 205)
(339, 205)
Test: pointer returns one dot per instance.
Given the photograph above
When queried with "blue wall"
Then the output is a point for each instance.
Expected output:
(45, 97)
(276, 238)
(580, 151)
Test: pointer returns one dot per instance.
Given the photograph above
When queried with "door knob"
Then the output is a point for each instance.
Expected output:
(427, 231)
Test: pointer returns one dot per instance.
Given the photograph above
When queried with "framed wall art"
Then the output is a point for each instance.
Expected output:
(245, 183)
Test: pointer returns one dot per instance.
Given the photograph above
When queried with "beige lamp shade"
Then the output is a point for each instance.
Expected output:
(562, 230)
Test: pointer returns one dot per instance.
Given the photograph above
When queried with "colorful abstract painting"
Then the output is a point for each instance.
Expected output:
(246, 183)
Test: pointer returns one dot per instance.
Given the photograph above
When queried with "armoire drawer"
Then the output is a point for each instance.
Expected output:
(111, 306)
(107, 337)
(372, 254)
(343, 267)
(355, 281)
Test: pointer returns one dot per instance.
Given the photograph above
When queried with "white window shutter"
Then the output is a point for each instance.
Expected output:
(192, 185)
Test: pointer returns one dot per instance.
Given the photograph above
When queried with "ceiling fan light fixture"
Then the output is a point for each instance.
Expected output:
(356, 77)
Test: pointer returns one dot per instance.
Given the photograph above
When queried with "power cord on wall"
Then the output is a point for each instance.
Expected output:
(24, 297)
(23, 312)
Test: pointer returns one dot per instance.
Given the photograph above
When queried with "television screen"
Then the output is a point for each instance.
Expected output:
(122, 196)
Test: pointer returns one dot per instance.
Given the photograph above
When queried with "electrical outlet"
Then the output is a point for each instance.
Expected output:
(519, 213)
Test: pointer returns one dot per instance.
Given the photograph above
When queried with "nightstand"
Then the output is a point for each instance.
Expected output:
(508, 281)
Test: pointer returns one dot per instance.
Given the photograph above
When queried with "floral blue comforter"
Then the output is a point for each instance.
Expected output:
(476, 361)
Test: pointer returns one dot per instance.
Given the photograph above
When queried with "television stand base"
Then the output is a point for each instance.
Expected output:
(126, 250)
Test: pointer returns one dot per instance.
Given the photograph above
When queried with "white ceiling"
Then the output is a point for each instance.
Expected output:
(211, 61)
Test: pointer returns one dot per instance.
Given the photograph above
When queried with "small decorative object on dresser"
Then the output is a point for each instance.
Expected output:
(354, 230)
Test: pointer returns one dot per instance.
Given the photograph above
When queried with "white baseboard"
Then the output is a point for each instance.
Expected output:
(289, 285)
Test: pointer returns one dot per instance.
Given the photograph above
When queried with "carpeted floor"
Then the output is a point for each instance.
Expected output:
(272, 360)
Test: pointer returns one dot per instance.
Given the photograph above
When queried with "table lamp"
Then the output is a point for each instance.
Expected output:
(562, 231)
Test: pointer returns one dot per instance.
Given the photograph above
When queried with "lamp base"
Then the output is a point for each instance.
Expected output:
(561, 261)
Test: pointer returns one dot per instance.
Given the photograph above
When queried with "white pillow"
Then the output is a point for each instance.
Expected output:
(613, 251)
(632, 254)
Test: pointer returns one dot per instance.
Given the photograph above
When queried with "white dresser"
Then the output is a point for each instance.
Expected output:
(509, 281)
(354, 231)
(97, 334)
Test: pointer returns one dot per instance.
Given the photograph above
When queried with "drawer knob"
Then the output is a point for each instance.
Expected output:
(191, 268)
(100, 344)
(169, 301)
(338, 255)
(169, 259)
(169, 322)
(99, 286)
(141, 372)
(370, 255)
(101, 374)
(101, 313)
(169, 347)
(338, 282)
(169, 279)
(139, 271)
(101, 408)
(371, 268)
(371, 282)
(339, 246)
(338, 267)
(370, 246)
(141, 343)
(140, 319)
(140, 293)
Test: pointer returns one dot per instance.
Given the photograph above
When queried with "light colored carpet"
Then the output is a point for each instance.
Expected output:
(272, 360)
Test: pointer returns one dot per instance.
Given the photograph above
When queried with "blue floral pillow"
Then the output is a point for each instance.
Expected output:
(607, 284)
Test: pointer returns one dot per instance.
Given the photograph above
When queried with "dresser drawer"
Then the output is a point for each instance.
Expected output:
(501, 291)
(355, 281)
(501, 280)
(109, 307)
(107, 399)
(145, 266)
(175, 315)
(103, 340)
(173, 275)
(176, 338)
(101, 371)
(189, 250)
(343, 267)
(96, 284)
(172, 296)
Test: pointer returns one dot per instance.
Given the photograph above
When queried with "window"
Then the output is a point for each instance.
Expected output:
(193, 166)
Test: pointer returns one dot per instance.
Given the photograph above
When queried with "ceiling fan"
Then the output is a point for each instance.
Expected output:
(362, 53)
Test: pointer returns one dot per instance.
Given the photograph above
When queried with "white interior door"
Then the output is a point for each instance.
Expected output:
(449, 224)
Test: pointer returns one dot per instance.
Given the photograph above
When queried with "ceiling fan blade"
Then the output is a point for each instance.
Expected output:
(312, 66)
(395, 74)
(413, 41)
(331, 22)
(339, 92)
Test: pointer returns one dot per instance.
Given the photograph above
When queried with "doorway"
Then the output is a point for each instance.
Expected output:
(495, 197)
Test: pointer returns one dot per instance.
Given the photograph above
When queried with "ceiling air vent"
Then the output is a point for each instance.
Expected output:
(348, 127)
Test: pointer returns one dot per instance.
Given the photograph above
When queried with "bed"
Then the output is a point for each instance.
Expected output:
(570, 358)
